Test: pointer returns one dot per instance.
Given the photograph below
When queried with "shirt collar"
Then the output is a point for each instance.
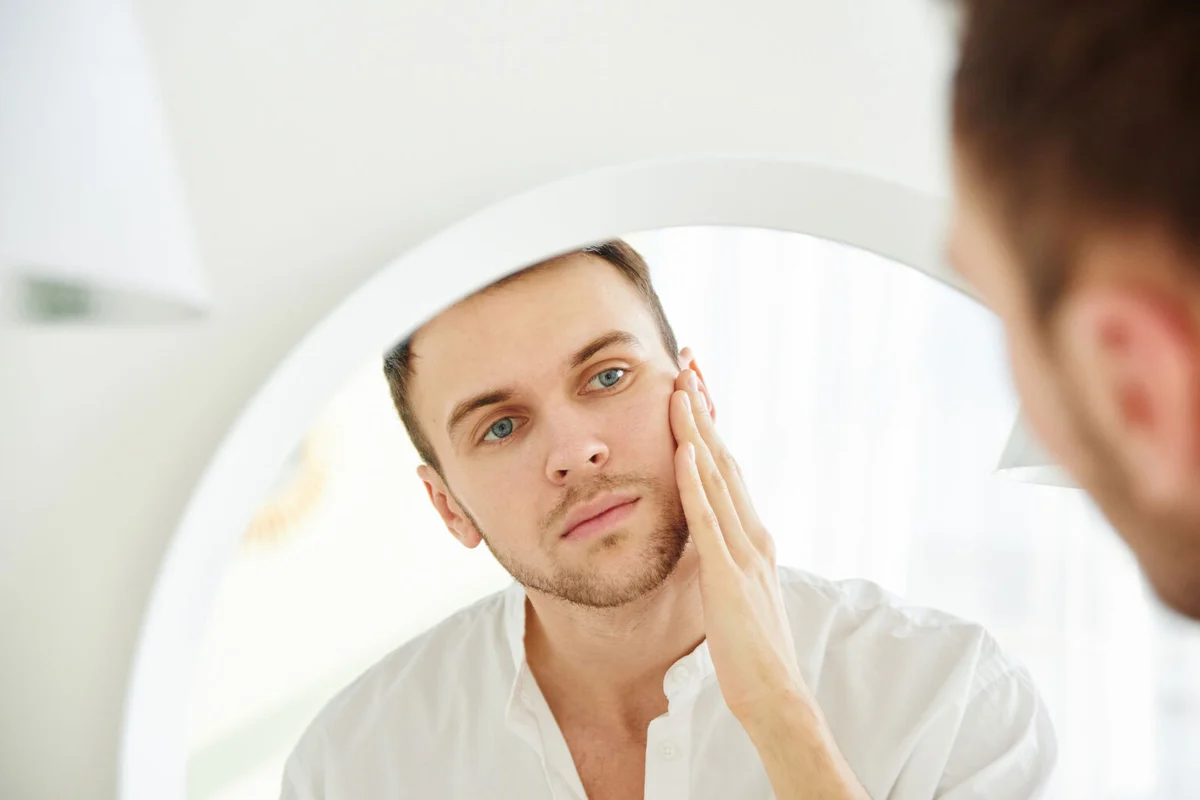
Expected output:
(514, 623)
(518, 713)
(687, 675)
(684, 676)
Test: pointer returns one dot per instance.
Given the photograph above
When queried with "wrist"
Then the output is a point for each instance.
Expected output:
(787, 715)
(799, 752)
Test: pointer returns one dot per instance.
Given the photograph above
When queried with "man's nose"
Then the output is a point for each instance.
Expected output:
(576, 451)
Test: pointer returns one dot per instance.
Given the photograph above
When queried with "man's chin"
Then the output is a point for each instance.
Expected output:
(623, 570)
(1179, 593)
(1167, 551)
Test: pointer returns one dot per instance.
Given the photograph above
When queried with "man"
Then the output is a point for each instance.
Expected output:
(1077, 160)
(649, 647)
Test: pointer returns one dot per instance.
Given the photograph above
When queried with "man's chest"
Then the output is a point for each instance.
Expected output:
(694, 748)
(609, 767)
(664, 763)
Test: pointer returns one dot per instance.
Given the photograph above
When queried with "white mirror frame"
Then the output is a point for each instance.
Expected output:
(900, 223)
(1025, 459)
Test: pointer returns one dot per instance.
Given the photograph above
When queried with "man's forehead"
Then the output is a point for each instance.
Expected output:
(523, 330)
(584, 296)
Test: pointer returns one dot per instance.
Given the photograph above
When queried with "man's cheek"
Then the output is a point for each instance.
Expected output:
(503, 498)
(644, 420)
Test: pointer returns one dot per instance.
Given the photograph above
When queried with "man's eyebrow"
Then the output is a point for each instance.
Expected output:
(601, 342)
(496, 396)
(472, 404)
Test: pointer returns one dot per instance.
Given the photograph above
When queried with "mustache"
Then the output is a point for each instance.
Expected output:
(584, 492)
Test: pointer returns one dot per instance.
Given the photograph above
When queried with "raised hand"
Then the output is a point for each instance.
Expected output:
(746, 622)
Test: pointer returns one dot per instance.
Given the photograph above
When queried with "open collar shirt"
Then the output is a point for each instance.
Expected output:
(921, 704)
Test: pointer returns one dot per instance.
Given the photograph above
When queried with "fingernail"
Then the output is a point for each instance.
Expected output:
(692, 382)
(690, 450)
(687, 401)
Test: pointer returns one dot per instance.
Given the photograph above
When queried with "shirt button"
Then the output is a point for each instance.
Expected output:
(682, 675)
(668, 751)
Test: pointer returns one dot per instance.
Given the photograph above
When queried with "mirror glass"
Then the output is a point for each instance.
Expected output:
(867, 406)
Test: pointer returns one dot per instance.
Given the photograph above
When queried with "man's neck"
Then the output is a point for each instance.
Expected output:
(608, 663)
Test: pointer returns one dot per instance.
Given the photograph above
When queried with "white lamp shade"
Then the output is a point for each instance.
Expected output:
(1024, 459)
(91, 210)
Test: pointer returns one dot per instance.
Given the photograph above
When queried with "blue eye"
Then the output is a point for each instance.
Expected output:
(501, 429)
(609, 377)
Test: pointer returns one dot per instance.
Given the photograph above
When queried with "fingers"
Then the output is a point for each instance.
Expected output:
(714, 490)
(750, 525)
(702, 521)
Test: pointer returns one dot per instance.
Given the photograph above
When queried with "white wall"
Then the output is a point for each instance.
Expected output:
(318, 141)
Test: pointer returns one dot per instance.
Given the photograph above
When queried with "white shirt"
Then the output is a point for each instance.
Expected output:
(921, 705)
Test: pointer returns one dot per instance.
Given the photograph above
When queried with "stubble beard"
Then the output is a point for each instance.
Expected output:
(589, 585)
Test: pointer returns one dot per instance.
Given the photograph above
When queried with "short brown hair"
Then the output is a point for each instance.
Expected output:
(1077, 114)
(398, 366)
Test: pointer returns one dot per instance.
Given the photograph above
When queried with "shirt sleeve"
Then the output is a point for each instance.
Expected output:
(303, 774)
(1005, 747)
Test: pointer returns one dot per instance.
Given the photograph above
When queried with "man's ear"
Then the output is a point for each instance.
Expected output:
(688, 361)
(457, 522)
(1135, 353)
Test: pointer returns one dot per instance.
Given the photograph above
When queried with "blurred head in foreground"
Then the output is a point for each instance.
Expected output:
(1076, 131)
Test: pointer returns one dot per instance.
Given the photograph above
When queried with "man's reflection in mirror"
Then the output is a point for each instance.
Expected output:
(541, 409)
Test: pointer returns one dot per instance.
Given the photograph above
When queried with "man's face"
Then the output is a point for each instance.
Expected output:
(546, 399)
(1060, 392)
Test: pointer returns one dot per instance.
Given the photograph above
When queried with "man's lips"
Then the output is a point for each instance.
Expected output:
(597, 513)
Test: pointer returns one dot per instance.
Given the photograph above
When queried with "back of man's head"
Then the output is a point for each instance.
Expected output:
(1081, 114)
(1077, 171)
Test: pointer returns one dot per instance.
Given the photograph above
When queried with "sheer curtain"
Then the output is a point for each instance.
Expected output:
(867, 405)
